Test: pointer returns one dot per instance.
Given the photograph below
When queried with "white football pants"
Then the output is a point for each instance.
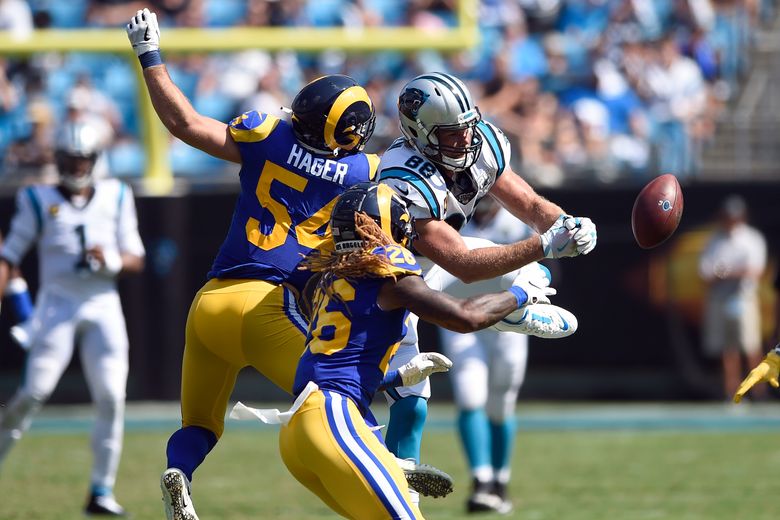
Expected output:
(97, 325)
(440, 280)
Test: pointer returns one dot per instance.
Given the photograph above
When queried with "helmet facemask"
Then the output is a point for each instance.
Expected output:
(75, 170)
(435, 103)
(333, 115)
(455, 157)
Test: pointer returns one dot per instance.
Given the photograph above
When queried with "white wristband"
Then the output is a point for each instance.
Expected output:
(113, 262)
(16, 286)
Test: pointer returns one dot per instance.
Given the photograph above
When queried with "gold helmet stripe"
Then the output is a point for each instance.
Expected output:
(351, 95)
(384, 195)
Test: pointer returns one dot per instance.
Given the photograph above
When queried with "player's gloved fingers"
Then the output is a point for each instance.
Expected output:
(738, 397)
(438, 360)
(774, 382)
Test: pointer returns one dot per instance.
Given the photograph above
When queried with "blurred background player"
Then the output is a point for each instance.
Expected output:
(447, 159)
(246, 313)
(366, 291)
(87, 235)
(488, 370)
(731, 265)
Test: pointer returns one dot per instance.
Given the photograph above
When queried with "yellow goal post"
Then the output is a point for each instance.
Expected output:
(158, 177)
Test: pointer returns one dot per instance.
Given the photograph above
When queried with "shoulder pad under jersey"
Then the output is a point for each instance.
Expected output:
(496, 151)
(252, 126)
(402, 261)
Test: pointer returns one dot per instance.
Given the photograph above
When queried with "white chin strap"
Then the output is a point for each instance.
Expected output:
(76, 183)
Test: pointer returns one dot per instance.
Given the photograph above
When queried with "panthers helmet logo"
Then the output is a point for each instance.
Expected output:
(410, 101)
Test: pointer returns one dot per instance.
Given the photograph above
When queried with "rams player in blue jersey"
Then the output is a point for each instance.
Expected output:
(291, 176)
(361, 303)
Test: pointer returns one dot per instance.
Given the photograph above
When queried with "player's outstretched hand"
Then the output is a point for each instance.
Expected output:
(766, 371)
(423, 365)
(143, 32)
(558, 241)
(569, 236)
(535, 280)
(585, 235)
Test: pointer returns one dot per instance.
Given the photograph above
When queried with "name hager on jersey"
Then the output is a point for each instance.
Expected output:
(287, 194)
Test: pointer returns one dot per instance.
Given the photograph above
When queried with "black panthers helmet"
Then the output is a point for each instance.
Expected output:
(332, 115)
(379, 202)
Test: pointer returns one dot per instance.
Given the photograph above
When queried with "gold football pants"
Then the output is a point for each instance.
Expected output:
(329, 448)
(233, 324)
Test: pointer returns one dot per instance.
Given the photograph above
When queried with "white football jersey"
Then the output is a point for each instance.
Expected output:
(430, 194)
(503, 228)
(64, 232)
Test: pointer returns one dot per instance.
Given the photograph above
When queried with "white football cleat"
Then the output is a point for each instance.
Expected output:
(176, 495)
(541, 320)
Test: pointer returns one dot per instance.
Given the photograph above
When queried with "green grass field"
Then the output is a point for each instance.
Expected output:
(569, 463)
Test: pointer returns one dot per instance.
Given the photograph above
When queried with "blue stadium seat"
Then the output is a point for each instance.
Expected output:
(215, 105)
(186, 160)
(324, 13)
(126, 159)
(68, 14)
(224, 13)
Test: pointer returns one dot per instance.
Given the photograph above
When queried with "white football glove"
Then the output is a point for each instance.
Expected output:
(422, 365)
(558, 241)
(534, 279)
(586, 235)
(143, 32)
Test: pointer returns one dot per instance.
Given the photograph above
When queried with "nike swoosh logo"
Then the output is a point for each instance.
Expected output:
(565, 323)
(403, 189)
(562, 247)
(146, 35)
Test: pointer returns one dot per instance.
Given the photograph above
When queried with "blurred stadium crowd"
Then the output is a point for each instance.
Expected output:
(589, 90)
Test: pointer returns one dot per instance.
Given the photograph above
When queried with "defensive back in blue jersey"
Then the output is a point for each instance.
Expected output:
(287, 194)
(351, 339)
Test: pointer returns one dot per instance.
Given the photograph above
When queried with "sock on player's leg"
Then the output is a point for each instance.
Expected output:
(475, 436)
(502, 436)
(404, 431)
(188, 447)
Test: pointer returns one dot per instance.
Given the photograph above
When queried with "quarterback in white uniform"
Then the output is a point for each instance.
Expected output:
(87, 234)
(447, 160)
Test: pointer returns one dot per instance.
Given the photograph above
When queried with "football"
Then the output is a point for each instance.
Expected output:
(657, 211)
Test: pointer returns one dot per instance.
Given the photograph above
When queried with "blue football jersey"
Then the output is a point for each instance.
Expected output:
(287, 194)
(351, 339)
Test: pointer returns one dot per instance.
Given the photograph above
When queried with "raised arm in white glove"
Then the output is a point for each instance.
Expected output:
(144, 32)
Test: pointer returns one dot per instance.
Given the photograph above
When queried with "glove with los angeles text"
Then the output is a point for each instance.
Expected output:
(144, 32)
